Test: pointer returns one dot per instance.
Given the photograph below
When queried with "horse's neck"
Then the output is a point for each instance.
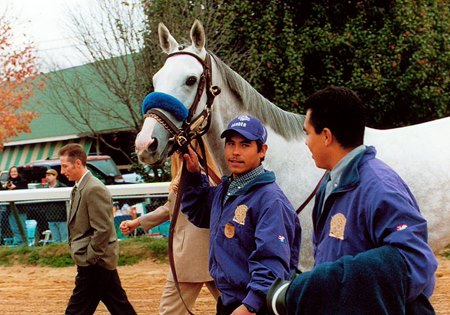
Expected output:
(239, 97)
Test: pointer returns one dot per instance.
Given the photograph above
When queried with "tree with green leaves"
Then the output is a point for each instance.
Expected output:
(395, 54)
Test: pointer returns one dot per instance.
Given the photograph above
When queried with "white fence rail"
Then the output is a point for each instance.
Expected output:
(131, 190)
(42, 205)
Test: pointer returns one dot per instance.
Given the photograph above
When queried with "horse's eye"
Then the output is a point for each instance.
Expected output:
(191, 81)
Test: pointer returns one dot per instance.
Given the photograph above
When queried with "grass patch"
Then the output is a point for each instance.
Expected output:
(446, 252)
(132, 250)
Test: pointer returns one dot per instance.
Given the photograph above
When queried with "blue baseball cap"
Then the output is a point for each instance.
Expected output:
(247, 126)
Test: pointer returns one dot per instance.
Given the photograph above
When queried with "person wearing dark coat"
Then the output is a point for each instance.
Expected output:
(15, 181)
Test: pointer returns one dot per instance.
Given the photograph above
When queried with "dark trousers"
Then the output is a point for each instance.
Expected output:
(94, 284)
(228, 309)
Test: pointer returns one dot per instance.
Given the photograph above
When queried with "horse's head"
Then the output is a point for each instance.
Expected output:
(182, 91)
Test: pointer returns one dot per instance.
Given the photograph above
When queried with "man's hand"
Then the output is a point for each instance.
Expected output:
(129, 226)
(192, 164)
(242, 310)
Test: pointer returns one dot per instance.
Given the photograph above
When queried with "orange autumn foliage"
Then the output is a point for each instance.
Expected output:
(18, 84)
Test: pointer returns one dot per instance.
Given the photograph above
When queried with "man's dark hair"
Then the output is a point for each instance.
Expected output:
(75, 152)
(340, 110)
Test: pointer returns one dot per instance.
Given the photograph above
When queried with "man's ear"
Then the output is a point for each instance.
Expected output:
(263, 151)
(78, 163)
(328, 136)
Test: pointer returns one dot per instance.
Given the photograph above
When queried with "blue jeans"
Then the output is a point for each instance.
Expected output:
(15, 228)
(59, 231)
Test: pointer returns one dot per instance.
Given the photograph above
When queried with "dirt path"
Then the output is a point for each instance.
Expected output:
(36, 290)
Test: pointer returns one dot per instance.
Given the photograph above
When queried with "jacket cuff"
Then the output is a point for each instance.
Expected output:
(254, 300)
(194, 179)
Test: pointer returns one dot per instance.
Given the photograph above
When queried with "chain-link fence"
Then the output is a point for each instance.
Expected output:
(44, 221)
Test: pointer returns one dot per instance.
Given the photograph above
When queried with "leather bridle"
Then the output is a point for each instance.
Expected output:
(192, 128)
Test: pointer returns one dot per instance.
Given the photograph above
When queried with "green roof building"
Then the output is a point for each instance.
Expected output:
(75, 106)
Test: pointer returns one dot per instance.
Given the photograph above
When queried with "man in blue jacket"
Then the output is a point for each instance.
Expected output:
(369, 238)
(255, 232)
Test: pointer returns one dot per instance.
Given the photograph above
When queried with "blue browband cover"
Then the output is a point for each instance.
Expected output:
(166, 102)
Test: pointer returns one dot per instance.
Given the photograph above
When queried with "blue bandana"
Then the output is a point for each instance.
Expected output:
(166, 102)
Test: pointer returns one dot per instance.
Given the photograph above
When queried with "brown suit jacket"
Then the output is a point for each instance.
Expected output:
(190, 243)
(92, 237)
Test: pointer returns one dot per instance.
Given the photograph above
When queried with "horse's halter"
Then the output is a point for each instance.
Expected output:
(192, 128)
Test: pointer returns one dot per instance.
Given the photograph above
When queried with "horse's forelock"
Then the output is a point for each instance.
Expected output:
(190, 48)
(183, 46)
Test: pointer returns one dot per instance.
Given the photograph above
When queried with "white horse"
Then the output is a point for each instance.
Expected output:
(419, 153)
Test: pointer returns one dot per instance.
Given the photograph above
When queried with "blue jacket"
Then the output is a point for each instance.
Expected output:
(255, 236)
(370, 208)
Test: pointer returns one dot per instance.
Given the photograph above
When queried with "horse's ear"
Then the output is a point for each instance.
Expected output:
(166, 40)
(198, 35)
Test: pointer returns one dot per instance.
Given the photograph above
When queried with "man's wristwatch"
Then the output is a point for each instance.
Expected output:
(249, 308)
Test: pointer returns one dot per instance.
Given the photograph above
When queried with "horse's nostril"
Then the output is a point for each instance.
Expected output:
(153, 146)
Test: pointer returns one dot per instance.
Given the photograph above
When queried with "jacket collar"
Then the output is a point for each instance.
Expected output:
(350, 176)
(262, 179)
(84, 180)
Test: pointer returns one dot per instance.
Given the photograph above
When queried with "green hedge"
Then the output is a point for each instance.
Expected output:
(395, 54)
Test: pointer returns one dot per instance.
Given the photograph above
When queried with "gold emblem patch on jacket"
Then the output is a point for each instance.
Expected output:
(240, 214)
(229, 230)
(337, 226)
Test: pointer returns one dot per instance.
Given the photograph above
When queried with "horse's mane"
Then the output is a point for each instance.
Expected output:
(289, 125)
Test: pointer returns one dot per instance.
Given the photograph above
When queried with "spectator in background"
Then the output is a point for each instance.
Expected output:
(15, 181)
(56, 211)
(125, 210)
(51, 178)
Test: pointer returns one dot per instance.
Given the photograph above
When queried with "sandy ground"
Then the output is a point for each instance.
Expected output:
(38, 290)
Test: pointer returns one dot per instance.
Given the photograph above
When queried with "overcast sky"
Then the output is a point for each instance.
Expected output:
(45, 23)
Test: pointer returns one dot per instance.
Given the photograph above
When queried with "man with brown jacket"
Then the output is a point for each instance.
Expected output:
(92, 239)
